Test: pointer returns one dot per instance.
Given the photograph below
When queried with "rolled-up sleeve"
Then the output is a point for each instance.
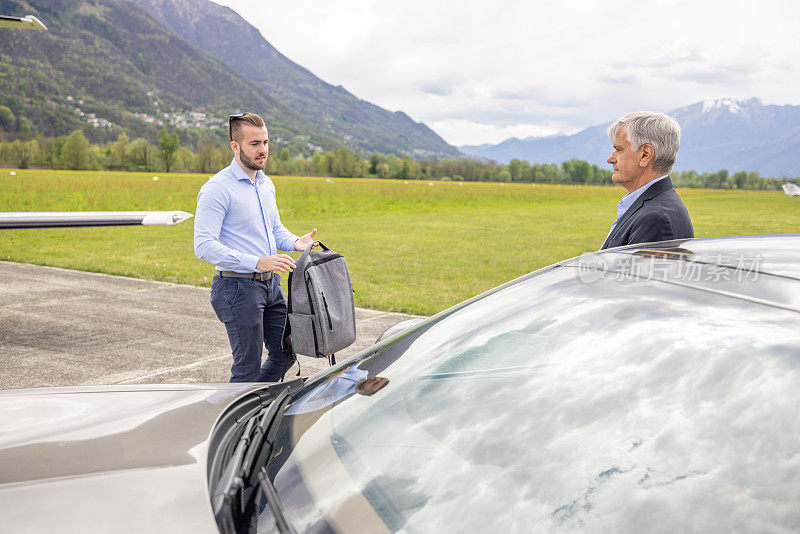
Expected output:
(212, 205)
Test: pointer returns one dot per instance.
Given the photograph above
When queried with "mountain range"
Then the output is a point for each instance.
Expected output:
(718, 134)
(130, 63)
(107, 66)
(225, 35)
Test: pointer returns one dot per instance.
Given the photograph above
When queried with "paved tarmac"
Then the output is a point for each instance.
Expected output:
(62, 328)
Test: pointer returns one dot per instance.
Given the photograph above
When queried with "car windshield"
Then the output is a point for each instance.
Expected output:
(556, 404)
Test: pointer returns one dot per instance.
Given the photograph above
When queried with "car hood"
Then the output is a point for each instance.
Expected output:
(109, 459)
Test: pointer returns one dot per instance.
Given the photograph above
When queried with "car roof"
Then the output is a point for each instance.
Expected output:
(780, 254)
(764, 269)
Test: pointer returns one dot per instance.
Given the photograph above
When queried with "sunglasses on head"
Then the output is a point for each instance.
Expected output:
(232, 118)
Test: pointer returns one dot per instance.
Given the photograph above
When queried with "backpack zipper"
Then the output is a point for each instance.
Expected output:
(327, 311)
(311, 305)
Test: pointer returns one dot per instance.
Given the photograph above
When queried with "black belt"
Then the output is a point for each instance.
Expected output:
(263, 277)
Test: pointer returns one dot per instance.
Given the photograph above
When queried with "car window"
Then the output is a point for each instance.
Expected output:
(558, 405)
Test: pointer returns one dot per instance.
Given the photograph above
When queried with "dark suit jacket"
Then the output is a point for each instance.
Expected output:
(657, 215)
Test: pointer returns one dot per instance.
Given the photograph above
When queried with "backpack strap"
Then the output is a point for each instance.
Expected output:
(289, 298)
(287, 347)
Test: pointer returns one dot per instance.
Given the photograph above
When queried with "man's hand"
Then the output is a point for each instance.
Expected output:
(279, 262)
(307, 240)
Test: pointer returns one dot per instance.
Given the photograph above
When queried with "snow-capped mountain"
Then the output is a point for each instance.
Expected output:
(716, 134)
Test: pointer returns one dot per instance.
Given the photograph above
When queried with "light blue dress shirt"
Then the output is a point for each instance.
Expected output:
(237, 221)
(627, 201)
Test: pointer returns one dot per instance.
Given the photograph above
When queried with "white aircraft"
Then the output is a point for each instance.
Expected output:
(28, 22)
(66, 219)
(791, 189)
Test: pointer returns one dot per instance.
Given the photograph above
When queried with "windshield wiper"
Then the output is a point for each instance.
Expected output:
(264, 435)
(268, 488)
(240, 474)
(230, 483)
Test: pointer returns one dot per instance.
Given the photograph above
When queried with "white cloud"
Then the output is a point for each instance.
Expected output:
(474, 71)
(465, 132)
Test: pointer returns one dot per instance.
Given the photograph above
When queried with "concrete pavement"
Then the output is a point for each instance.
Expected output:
(60, 327)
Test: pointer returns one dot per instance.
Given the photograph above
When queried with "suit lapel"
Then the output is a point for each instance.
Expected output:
(609, 236)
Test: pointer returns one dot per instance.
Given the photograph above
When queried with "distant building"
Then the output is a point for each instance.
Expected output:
(189, 119)
(99, 122)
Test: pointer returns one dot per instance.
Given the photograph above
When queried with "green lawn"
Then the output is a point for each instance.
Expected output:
(411, 247)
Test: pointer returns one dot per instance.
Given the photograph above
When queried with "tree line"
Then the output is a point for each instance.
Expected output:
(74, 151)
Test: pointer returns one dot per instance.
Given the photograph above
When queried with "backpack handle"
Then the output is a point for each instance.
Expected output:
(307, 251)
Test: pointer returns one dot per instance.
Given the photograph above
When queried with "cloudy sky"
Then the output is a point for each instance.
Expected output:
(480, 72)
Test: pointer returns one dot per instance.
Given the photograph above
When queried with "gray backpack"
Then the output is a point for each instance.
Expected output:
(322, 313)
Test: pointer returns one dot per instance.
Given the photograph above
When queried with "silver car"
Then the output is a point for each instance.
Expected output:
(651, 388)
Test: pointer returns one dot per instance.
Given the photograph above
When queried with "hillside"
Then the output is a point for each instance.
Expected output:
(225, 35)
(721, 134)
(113, 61)
(108, 66)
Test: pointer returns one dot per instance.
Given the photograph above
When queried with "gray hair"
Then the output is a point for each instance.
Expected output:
(654, 128)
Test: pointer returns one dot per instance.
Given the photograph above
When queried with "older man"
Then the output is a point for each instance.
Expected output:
(645, 147)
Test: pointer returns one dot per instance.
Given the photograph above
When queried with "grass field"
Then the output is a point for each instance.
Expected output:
(411, 247)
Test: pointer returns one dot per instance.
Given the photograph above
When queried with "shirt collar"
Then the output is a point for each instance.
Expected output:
(628, 200)
(239, 174)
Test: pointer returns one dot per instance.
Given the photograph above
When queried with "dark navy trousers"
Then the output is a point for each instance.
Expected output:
(254, 314)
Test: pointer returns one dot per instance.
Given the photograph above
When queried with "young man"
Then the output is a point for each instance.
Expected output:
(645, 148)
(238, 229)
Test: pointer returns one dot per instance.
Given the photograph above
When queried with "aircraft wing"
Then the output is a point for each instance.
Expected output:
(66, 219)
(28, 22)
(791, 189)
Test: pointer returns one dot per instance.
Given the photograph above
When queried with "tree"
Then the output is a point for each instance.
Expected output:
(740, 178)
(168, 143)
(581, 171)
(183, 159)
(48, 151)
(322, 162)
(405, 170)
(24, 125)
(374, 160)
(75, 153)
(551, 173)
(273, 166)
(598, 175)
(204, 160)
(24, 152)
(60, 141)
(121, 148)
(395, 166)
(7, 119)
(142, 153)
(515, 169)
(345, 163)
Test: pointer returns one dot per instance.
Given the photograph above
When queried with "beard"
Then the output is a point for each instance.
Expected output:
(251, 164)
